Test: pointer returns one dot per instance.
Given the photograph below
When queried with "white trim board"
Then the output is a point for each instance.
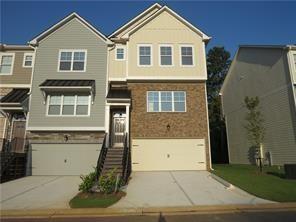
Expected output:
(36, 128)
(156, 5)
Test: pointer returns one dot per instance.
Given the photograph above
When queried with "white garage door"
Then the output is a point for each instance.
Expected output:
(64, 159)
(168, 154)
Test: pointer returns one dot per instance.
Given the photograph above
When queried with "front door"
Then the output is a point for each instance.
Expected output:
(18, 136)
(118, 129)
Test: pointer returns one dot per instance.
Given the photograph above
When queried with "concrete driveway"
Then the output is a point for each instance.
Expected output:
(180, 188)
(39, 192)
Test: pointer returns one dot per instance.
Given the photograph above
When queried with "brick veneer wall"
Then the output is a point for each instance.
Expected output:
(189, 124)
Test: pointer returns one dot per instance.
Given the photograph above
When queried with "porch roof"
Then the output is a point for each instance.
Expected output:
(119, 94)
(14, 99)
(56, 83)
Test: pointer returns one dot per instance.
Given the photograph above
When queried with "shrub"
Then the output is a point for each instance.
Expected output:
(87, 182)
(107, 183)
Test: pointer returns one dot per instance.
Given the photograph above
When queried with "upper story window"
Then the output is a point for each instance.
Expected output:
(120, 55)
(186, 55)
(68, 105)
(28, 60)
(144, 55)
(166, 55)
(6, 63)
(166, 101)
(72, 60)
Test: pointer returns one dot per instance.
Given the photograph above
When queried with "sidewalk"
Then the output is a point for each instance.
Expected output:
(146, 211)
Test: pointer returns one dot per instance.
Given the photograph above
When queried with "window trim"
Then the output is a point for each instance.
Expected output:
(24, 59)
(159, 54)
(72, 59)
(124, 52)
(173, 101)
(138, 54)
(61, 106)
(12, 62)
(193, 55)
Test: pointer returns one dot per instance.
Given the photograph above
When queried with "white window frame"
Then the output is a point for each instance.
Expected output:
(61, 107)
(193, 55)
(159, 54)
(12, 62)
(173, 102)
(24, 59)
(72, 60)
(151, 54)
(124, 52)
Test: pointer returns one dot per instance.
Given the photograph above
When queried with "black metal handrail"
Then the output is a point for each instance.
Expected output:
(102, 157)
(126, 160)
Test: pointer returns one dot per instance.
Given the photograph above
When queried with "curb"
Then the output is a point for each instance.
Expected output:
(222, 181)
(145, 211)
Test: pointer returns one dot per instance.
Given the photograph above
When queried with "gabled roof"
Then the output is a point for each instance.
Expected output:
(152, 7)
(177, 16)
(63, 22)
(233, 63)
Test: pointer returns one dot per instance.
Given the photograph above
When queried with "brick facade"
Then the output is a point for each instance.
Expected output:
(189, 124)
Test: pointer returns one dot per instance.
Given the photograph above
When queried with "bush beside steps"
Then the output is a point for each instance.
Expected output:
(102, 193)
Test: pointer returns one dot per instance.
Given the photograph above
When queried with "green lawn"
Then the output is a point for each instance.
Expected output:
(91, 200)
(270, 184)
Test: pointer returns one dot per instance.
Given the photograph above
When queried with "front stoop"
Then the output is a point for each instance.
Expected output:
(113, 160)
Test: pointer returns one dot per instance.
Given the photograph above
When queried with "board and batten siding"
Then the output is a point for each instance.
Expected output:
(263, 73)
(72, 35)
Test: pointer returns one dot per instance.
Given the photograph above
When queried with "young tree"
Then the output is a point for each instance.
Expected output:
(218, 62)
(254, 126)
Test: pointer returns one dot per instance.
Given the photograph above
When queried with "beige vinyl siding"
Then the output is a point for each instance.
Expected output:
(20, 74)
(166, 29)
(72, 35)
(263, 73)
(117, 68)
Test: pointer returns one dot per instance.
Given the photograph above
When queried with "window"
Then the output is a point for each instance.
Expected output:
(72, 60)
(153, 101)
(6, 65)
(145, 53)
(294, 55)
(120, 54)
(28, 60)
(186, 55)
(166, 101)
(68, 105)
(166, 55)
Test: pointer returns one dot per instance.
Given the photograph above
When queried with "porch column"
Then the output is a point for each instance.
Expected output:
(127, 111)
(107, 122)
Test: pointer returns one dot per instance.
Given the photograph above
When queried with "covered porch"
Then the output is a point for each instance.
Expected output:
(14, 107)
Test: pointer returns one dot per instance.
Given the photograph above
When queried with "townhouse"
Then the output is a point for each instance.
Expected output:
(145, 84)
(16, 62)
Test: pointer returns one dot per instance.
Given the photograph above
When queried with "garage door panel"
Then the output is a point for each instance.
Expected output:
(64, 159)
(168, 154)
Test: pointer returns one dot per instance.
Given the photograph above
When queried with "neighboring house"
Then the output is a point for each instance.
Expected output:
(16, 62)
(146, 81)
(159, 61)
(268, 72)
